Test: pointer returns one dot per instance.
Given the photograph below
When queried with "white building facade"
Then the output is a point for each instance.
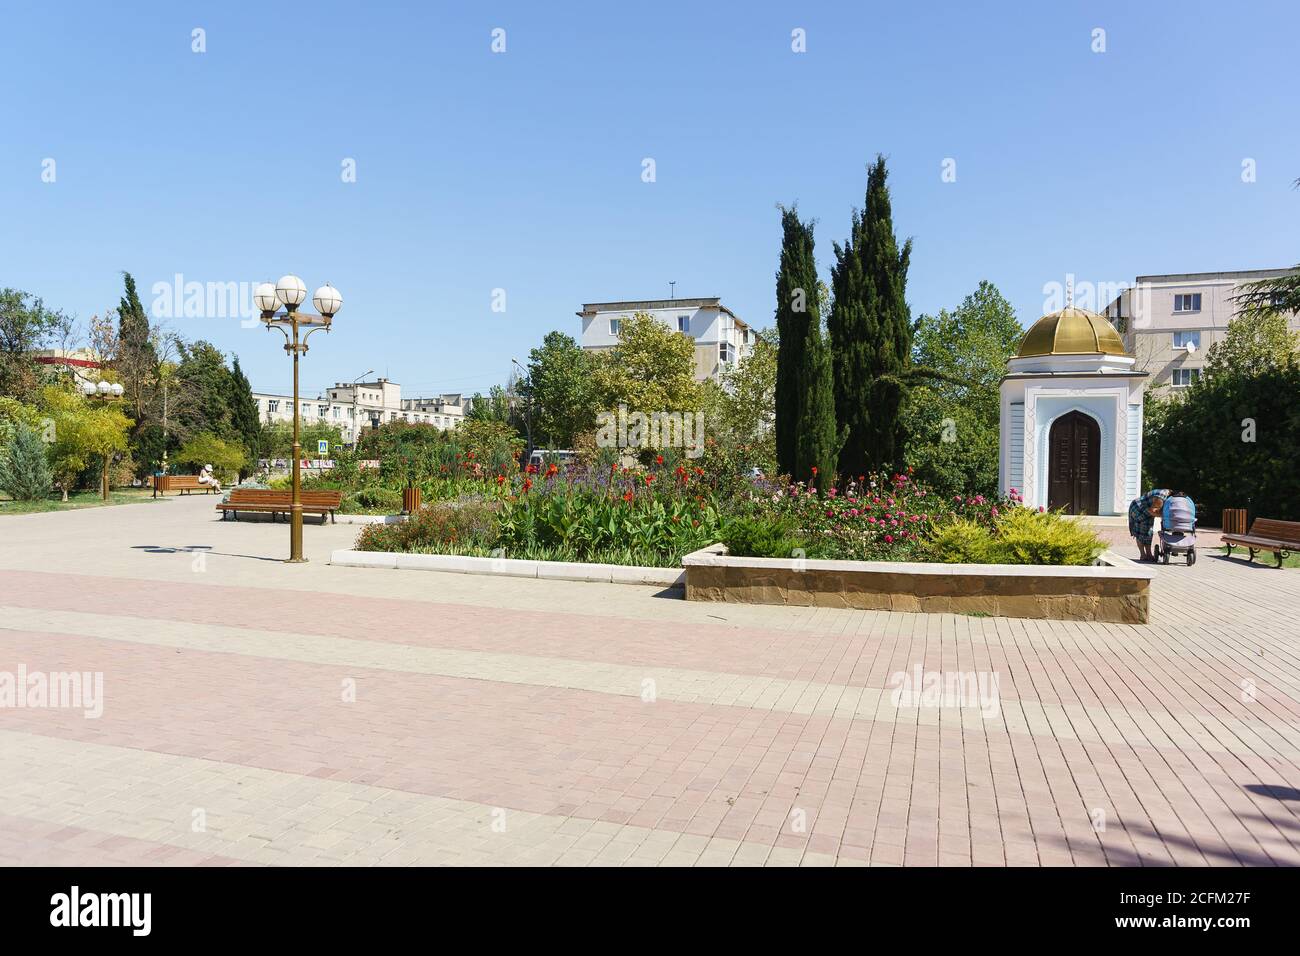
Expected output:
(722, 339)
(1071, 417)
(355, 406)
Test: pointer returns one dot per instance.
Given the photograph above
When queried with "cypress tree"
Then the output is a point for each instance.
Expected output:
(817, 443)
(871, 335)
(805, 412)
(793, 292)
(243, 409)
(133, 327)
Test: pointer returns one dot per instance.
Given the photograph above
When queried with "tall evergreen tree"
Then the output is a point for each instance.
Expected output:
(133, 323)
(24, 471)
(806, 436)
(871, 334)
(793, 292)
(817, 443)
(243, 409)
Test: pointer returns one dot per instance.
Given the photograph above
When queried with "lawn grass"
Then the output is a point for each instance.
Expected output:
(1262, 557)
(76, 501)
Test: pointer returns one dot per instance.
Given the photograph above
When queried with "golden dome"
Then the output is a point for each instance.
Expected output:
(1071, 332)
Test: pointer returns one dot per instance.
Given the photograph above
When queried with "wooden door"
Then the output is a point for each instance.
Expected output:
(1074, 464)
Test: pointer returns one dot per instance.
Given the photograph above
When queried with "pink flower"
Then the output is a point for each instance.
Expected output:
(889, 538)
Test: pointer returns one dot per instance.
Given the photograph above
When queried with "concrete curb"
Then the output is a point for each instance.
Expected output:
(369, 519)
(511, 567)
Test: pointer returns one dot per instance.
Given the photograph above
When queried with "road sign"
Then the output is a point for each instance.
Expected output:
(322, 447)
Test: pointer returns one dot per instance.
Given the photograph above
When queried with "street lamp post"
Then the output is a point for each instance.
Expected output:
(528, 415)
(356, 411)
(104, 392)
(290, 292)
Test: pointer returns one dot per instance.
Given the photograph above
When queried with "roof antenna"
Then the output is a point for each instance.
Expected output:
(1069, 291)
(672, 291)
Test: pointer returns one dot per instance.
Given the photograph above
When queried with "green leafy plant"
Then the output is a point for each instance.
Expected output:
(764, 537)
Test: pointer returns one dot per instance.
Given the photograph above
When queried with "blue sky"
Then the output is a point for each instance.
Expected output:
(523, 170)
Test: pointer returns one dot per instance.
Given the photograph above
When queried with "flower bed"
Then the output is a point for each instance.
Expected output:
(609, 515)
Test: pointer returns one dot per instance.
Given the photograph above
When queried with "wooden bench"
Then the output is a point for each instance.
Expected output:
(1267, 534)
(280, 502)
(180, 483)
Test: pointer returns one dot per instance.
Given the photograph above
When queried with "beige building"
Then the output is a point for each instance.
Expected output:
(1169, 322)
(722, 338)
(355, 406)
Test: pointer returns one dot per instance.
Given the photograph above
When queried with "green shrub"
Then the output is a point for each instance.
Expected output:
(1018, 536)
(225, 457)
(762, 538)
(455, 525)
(24, 469)
(372, 498)
(1046, 537)
(963, 541)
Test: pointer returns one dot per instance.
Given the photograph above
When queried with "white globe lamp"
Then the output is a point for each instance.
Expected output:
(327, 300)
(264, 297)
(291, 291)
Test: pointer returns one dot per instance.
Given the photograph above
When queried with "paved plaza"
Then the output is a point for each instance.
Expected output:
(259, 713)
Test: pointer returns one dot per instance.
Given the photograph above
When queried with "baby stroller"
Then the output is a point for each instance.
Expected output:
(1177, 529)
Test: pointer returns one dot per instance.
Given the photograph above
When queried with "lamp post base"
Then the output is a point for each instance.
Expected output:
(295, 560)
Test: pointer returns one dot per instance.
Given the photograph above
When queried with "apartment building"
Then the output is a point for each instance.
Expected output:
(721, 338)
(353, 407)
(1169, 322)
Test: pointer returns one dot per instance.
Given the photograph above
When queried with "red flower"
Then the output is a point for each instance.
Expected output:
(814, 469)
(649, 478)
(628, 496)
(659, 459)
(501, 479)
(528, 483)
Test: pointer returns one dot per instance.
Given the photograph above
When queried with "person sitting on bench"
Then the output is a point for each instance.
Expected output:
(206, 477)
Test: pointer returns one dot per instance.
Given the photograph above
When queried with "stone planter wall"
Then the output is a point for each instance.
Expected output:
(1114, 590)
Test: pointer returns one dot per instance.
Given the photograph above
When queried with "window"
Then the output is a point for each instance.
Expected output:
(336, 411)
(306, 408)
(273, 405)
(322, 410)
(1187, 302)
(615, 326)
(726, 352)
(683, 323)
(1184, 377)
(1183, 339)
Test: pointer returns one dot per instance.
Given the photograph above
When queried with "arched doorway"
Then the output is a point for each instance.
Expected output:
(1073, 464)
